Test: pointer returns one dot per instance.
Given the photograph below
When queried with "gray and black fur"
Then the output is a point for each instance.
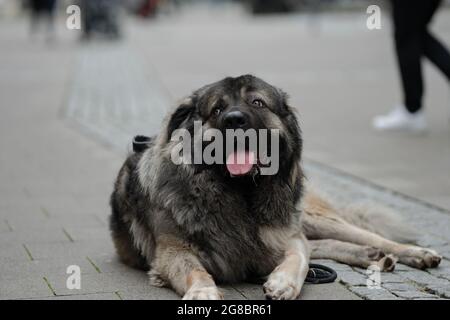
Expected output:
(218, 215)
(194, 224)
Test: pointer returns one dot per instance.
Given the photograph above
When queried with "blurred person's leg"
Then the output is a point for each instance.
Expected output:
(411, 19)
(86, 19)
(35, 11)
(113, 27)
(437, 53)
(410, 23)
(50, 16)
(433, 49)
(43, 12)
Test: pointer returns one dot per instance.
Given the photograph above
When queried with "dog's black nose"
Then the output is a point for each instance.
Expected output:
(235, 120)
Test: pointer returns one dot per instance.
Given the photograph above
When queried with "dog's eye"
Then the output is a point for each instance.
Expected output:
(258, 103)
(218, 107)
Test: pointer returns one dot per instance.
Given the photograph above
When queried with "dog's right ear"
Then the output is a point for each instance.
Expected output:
(181, 116)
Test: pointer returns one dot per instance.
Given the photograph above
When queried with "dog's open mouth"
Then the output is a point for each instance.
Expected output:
(240, 163)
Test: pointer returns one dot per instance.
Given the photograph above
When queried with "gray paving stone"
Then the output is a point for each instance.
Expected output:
(90, 283)
(39, 234)
(442, 289)
(83, 220)
(431, 241)
(24, 288)
(92, 296)
(373, 294)
(444, 251)
(13, 252)
(96, 233)
(250, 291)
(404, 286)
(231, 293)
(409, 291)
(148, 294)
(403, 268)
(443, 271)
(21, 220)
(70, 250)
(413, 294)
(134, 285)
(423, 278)
(5, 226)
(81, 208)
(333, 264)
(391, 277)
(109, 263)
(352, 278)
(11, 270)
(386, 277)
(327, 291)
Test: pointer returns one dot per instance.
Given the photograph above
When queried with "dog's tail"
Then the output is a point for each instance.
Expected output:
(379, 219)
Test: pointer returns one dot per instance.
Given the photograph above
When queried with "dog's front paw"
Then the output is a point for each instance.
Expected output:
(281, 286)
(420, 258)
(203, 293)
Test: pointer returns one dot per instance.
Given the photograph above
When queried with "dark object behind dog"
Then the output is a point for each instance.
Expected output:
(102, 17)
(194, 224)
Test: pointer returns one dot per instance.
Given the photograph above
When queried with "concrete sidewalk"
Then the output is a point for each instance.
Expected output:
(69, 113)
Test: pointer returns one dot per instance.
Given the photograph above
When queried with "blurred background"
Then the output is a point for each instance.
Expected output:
(71, 100)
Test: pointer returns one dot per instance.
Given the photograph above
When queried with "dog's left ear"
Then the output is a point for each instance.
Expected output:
(290, 118)
(182, 115)
(286, 110)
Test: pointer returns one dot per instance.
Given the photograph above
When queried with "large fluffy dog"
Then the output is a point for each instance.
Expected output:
(192, 225)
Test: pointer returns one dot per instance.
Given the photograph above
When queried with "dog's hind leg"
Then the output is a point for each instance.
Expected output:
(286, 281)
(323, 226)
(351, 254)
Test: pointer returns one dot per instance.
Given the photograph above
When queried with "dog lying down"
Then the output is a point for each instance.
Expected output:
(193, 224)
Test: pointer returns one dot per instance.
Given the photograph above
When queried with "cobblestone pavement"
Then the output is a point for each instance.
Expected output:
(55, 183)
(431, 222)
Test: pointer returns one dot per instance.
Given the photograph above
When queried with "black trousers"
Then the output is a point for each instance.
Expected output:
(412, 41)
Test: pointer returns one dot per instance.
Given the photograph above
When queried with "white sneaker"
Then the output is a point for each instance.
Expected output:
(401, 119)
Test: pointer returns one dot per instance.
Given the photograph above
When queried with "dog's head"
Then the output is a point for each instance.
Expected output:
(256, 112)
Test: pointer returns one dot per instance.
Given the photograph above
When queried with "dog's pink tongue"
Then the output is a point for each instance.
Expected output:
(240, 162)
